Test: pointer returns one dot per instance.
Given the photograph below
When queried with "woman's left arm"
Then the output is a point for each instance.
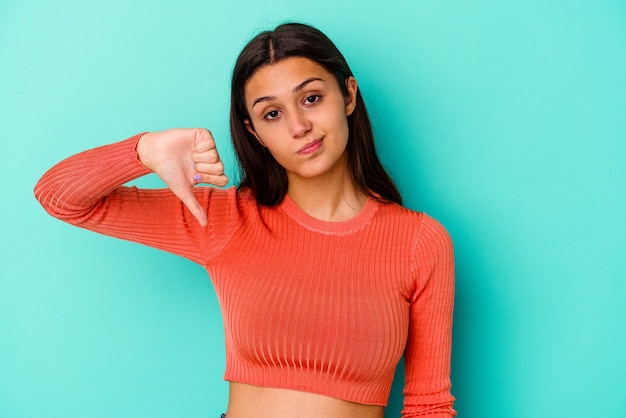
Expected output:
(428, 350)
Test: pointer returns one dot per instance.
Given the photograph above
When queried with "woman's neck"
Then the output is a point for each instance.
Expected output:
(332, 198)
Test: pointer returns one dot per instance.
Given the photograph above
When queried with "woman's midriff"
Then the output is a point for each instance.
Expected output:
(249, 401)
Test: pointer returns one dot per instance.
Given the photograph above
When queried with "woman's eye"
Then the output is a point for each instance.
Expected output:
(272, 114)
(312, 99)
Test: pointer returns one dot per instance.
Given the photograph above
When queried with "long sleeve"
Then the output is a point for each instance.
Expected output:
(87, 190)
(428, 350)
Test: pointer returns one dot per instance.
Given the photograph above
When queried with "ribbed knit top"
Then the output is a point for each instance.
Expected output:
(310, 305)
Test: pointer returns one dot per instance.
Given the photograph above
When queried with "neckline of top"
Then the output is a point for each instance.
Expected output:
(349, 226)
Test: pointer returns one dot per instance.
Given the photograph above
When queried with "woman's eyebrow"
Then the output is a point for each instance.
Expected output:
(295, 90)
(304, 83)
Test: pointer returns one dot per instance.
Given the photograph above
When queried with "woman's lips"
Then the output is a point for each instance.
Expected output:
(311, 147)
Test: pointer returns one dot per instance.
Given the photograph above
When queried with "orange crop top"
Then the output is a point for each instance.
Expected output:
(323, 307)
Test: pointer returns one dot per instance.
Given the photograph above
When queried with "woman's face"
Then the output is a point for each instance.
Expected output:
(298, 112)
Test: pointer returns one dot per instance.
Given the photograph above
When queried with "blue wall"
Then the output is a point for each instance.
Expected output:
(504, 120)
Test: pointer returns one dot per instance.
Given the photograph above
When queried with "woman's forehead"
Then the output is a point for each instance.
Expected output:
(283, 77)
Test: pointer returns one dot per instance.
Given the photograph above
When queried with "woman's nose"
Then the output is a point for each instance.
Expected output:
(299, 125)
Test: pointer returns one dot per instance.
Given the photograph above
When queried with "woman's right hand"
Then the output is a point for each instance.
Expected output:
(182, 158)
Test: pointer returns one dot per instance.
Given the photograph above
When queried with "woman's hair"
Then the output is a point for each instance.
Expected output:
(258, 169)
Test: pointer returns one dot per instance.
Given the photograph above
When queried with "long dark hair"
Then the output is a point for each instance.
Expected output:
(258, 169)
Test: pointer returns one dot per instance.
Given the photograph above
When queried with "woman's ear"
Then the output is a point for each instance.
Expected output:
(352, 88)
(250, 129)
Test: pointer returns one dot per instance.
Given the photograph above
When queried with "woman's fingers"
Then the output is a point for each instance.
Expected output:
(214, 179)
(210, 173)
(209, 157)
(203, 140)
(208, 167)
(213, 168)
(205, 150)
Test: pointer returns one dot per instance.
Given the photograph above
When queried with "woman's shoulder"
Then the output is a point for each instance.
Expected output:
(418, 222)
(401, 213)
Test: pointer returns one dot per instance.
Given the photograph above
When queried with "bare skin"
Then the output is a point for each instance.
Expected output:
(248, 401)
(297, 111)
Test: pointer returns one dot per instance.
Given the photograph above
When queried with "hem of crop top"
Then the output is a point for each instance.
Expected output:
(331, 228)
(340, 390)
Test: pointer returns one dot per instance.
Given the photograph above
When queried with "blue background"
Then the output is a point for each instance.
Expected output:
(504, 120)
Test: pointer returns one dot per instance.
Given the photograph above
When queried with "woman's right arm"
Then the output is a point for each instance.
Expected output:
(87, 190)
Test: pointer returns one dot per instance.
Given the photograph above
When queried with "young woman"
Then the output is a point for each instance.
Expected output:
(323, 278)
